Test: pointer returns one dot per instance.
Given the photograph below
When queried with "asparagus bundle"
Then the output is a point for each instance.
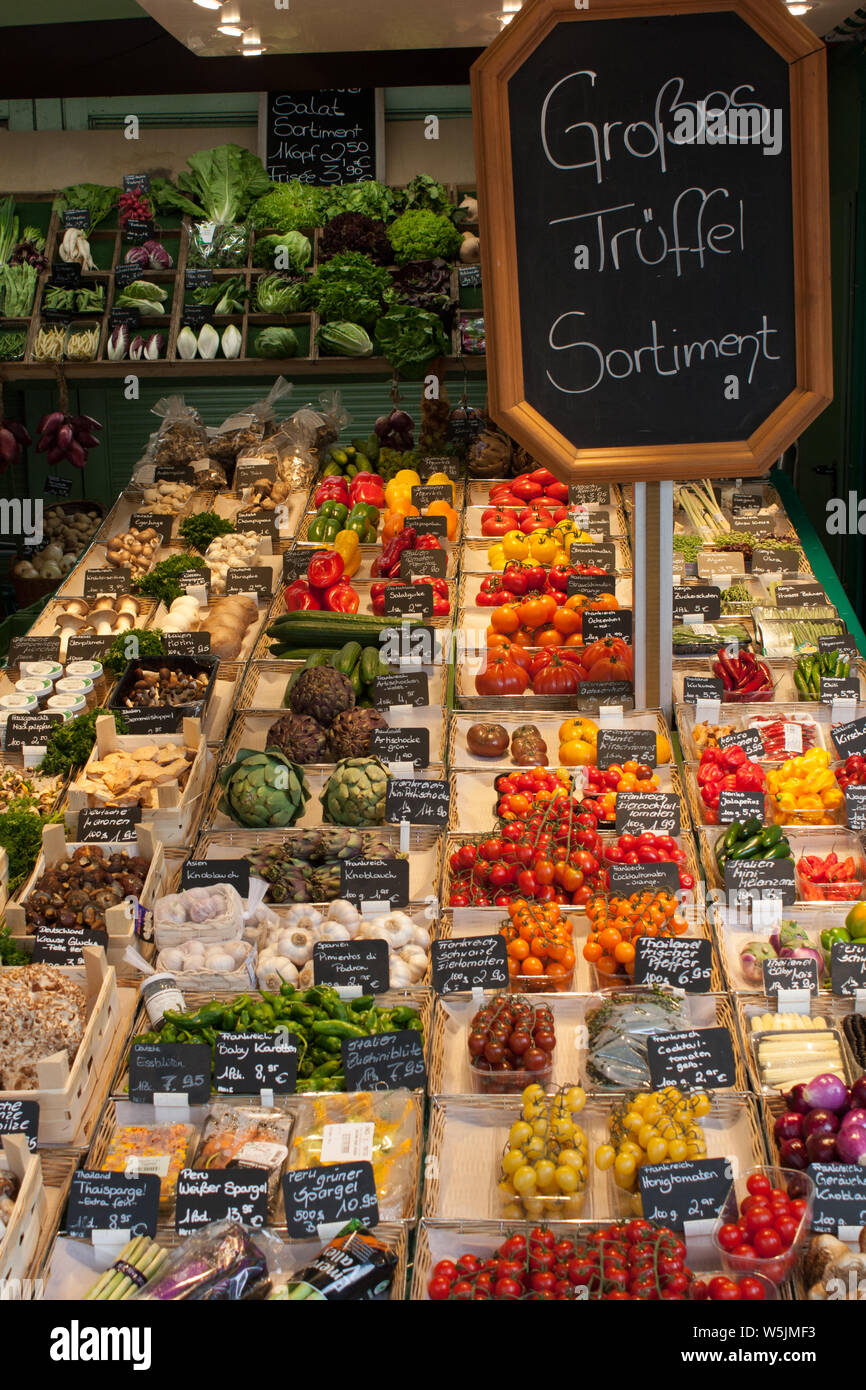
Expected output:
(142, 1256)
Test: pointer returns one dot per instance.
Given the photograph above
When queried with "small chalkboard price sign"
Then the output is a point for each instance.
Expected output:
(748, 739)
(840, 1196)
(385, 1061)
(33, 649)
(169, 1068)
(401, 745)
(65, 945)
(607, 622)
(375, 880)
(469, 962)
(415, 600)
(692, 1060)
(855, 807)
(692, 1190)
(682, 962)
(115, 1201)
(352, 964)
(419, 800)
(697, 598)
(20, 1117)
(30, 730)
(655, 811)
(323, 137)
(633, 878)
(785, 974)
(620, 745)
(329, 1195)
(741, 806)
(401, 688)
(850, 738)
(246, 1063)
(761, 878)
(228, 1194)
(848, 967)
(196, 872)
(702, 688)
(108, 823)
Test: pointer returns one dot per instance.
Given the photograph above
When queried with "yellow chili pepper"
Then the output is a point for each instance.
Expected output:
(348, 547)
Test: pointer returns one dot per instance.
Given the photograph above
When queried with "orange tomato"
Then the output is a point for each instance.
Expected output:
(505, 619)
(624, 953)
(566, 621)
(534, 612)
(532, 966)
(518, 949)
(592, 951)
(605, 601)
(546, 637)
(609, 938)
(606, 965)
(556, 971)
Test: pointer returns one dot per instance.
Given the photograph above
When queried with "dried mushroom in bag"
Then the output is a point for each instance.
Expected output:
(181, 436)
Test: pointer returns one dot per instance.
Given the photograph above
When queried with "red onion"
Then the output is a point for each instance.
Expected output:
(793, 1154)
(851, 1145)
(795, 1101)
(821, 1148)
(858, 1092)
(788, 1126)
(825, 1092)
(854, 1117)
(820, 1122)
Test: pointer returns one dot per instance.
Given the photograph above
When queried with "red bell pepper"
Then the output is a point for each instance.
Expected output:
(426, 542)
(326, 567)
(370, 491)
(331, 490)
(440, 586)
(388, 563)
(341, 598)
(300, 598)
(734, 757)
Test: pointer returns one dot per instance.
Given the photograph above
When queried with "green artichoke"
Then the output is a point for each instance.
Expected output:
(263, 789)
(355, 792)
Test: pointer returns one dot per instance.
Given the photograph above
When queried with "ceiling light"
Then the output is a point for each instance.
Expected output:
(511, 6)
(232, 31)
(799, 9)
(209, 4)
(505, 19)
(252, 52)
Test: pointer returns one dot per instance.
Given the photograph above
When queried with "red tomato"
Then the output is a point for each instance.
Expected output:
(723, 1290)
(767, 1242)
(751, 1290)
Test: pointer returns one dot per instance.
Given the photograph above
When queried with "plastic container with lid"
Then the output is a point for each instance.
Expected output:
(35, 685)
(84, 670)
(41, 670)
(18, 702)
(77, 685)
(67, 705)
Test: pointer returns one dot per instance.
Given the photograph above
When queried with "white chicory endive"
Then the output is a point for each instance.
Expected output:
(208, 342)
(231, 341)
(187, 344)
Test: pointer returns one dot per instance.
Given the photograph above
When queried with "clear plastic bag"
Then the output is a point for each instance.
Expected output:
(246, 429)
(224, 1261)
(290, 452)
(218, 243)
(181, 436)
(246, 1136)
(323, 423)
(394, 1117)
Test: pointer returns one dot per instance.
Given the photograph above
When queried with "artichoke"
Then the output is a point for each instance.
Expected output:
(263, 789)
(323, 693)
(349, 735)
(355, 792)
(299, 738)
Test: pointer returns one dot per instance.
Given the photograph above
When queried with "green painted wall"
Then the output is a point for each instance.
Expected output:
(67, 11)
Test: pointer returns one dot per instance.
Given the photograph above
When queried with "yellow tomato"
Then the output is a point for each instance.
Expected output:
(578, 728)
(543, 548)
(577, 752)
(561, 557)
(663, 749)
(496, 556)
(515, 545)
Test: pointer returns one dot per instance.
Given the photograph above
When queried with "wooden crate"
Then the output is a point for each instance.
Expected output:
(70, 1095)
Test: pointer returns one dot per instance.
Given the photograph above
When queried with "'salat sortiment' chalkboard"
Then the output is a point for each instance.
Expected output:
(655, 264)
(321, 137)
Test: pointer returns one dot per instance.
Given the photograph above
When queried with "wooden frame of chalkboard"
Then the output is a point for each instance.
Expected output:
(804, 386)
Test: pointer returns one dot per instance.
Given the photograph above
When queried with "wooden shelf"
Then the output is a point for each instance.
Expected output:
(248, 366)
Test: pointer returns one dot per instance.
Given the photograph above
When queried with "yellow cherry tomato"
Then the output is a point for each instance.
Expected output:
(496, 556)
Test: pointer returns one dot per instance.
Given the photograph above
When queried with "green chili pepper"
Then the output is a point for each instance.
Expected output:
(338, 1029)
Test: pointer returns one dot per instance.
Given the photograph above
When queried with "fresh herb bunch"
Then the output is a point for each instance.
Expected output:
(688, 546)
(9, 952)
(201, 528)
(99, 200)
(21, 837)
(425, 192)
(161, 582)
(69, 744)
(149, 642)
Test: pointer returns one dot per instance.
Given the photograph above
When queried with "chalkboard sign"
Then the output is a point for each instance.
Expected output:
(401, 745)
(187, 643)
(590, 584)
(246, 1063)
(60, 487)
(607, 622)
(844, 642)
(784, 974)
(251, 579)
(65, 945)
(76, 217)
(296, 564)
(633, 878)
(761, 878)
(169, 1068)
(194, 579)
(445, 463)
(469, 962)
(765, 560)
(113, 1202)
(409, 688)
(840, 1196)
(656, 811)
(30, 729)
(692, 1190)
(196, 872)
(353, 963)
(702, 688)
(385, 1062)
(329, 1195)
(855, 807)
(848, 966)
(195, 276)
(87, 648)
(126, 274)
(604, 693)
(621, 745)
(640, 240)
(375, 880)
(22, 1117)
(839, 688)
(107, 581)
(33, 649)
(108, 823)
(409, 599)
(744, 503)
(261, 523)
(425, 493)
(684, 962)
(228, 1194)
(421, 800)
(741, 806)
(160, 719)
(601, 553)
(174, 473)
(431, 526)
(748, 739)
(850, 738)
(155, 521)
(798, 595)
(692, 1060)
(418, 562)
(326, 136)
(697, 598)
(66, 274)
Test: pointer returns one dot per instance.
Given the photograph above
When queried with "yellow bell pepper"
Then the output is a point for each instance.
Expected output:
(348, 547)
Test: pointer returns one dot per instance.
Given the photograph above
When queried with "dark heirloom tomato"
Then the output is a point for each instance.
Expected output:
(487, 740)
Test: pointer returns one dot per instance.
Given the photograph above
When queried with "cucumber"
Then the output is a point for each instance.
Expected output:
(310, 627)
(355, 677)
(319, 656)
(371, 666)
(347, 658)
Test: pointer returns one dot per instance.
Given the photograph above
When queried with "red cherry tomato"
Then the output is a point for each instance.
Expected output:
(751, 1290)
